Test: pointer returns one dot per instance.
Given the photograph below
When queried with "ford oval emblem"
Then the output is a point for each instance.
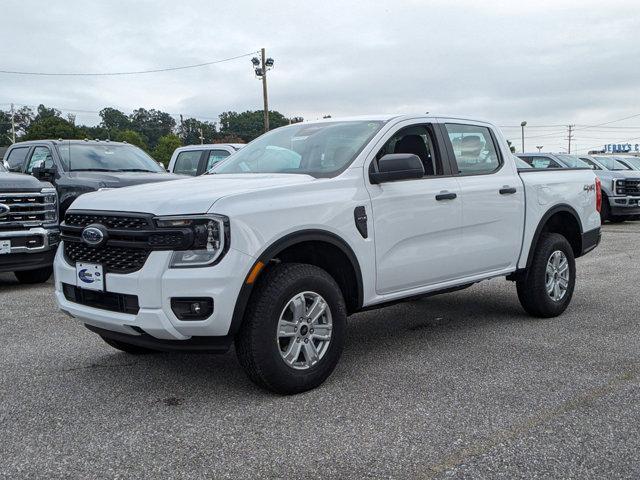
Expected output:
(4, 210)
(94, 235)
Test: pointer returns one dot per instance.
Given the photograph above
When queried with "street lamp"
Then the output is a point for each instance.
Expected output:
(261, 66)
(522, 125)
(539, 147)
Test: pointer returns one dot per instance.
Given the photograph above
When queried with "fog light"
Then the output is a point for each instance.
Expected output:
(185, 308)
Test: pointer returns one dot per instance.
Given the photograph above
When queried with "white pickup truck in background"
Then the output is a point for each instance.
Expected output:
(313, 222)
(194, 160)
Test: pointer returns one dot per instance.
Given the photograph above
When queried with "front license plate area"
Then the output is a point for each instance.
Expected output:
(89, 276)
(5, 247)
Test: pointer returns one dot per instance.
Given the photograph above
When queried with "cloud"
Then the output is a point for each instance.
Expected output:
(547, 62)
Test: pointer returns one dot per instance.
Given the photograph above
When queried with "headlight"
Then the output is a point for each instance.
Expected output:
(210, 239)
(50, 201)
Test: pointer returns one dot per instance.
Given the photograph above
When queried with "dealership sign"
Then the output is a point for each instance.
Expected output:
(621, 147)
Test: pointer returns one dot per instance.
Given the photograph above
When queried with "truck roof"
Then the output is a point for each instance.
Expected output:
(76, 141)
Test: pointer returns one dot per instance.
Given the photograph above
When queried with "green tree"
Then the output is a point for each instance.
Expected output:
(51, 127)
(189, 131)
(250, 124)
(129, 136)
(152, 124)
(165, 147)
(113, 119)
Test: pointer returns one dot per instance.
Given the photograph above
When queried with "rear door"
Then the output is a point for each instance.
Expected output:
(492, 198)
(188, 162)
(416, 222)
(212, 157)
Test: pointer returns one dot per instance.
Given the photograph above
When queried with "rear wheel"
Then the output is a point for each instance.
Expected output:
(40, 275)
(547, 287)
(605, 210)
(127, 347)
(293, 332)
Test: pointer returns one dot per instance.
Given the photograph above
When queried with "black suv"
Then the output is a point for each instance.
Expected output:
(75, 167)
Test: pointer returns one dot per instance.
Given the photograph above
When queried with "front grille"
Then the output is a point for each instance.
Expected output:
(114, 302)
(27, 209)
(115, 222)
(628, 186)
(113, 259)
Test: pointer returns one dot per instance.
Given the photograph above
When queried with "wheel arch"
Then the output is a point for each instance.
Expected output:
(561, 219)
(292, 245)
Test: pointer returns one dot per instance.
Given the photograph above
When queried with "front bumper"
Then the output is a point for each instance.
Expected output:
(624, 206)
(154, 285)
(31, 249)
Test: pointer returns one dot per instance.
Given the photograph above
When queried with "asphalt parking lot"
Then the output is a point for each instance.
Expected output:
(463, 385)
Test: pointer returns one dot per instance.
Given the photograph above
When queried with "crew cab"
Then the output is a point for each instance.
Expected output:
(75, 167)
(195, 160)
(620, 185)
(313, 222)
(29, 232)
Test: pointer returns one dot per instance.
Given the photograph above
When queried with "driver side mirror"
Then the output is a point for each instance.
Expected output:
(44, 173)
(397, 166)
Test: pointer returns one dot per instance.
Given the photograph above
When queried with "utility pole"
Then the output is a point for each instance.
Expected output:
(522, 125)
(201, 136)
(13, 125)
(261, 66)
(570, 137)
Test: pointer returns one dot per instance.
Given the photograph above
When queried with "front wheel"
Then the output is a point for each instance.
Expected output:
(40, 275)
(547, 287)
(293, 332)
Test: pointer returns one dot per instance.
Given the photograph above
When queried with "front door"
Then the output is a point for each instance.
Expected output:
(416, 222)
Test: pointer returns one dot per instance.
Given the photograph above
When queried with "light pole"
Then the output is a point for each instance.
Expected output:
(261, 66)
(522, 125)
(539, 147)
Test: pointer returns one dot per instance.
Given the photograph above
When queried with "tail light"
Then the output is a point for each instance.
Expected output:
(598, 194)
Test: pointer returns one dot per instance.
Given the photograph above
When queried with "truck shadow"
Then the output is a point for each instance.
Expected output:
(416, 328)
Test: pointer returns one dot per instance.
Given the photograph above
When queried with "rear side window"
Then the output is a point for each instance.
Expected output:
(214, 157)
(544, 162)
(187, 162)
(16, 158)
(473, 148)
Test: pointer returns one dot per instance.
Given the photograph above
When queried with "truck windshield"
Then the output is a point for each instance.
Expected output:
(320, 149)
(573, 161)
(633, 162)
(611, 163)
(78, 157)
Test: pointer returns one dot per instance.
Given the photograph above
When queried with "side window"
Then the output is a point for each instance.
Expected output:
(419, 141)
(593, 165)
(16, 158)
(214, 157)
(187, 162)
(41, 157)
(473, 148)
(544, 162)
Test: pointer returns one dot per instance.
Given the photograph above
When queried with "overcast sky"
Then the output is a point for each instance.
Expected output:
(550, 63)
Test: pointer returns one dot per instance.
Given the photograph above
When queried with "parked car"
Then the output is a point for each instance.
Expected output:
(75, 167)
(29, 233)
(630, 161)
(620, 185)
(619, 204)
(194, 160)
(313, 222)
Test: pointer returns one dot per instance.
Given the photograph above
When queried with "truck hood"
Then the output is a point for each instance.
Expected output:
(190, 196)
(19, 182)
(121, 179)
(624, 173)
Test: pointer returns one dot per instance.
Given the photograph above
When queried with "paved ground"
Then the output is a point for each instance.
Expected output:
(457, 386)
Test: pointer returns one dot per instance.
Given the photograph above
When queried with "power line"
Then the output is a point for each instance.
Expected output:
(138, 72)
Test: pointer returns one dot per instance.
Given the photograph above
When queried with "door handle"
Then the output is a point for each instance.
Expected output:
(445, 196)
(507, 190)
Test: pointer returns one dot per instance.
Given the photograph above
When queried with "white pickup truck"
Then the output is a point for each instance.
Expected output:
(311, 223)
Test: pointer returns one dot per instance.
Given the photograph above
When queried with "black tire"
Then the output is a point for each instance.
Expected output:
(40, 275)
(127, 347)
(256, 345)
(532, 291)
(605, 210)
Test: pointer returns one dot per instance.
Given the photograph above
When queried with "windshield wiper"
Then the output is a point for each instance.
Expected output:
(136, 170)
(92, 170)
